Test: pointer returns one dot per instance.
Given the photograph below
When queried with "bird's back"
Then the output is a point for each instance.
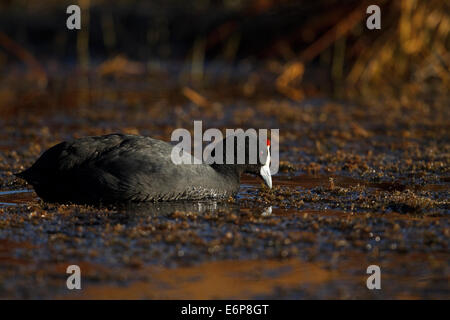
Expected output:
(121, 167)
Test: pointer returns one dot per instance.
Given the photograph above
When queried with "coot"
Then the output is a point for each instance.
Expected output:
(118, 168)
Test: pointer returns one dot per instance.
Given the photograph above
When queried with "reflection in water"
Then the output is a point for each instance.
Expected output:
(8, 204)
(161, 209)
(9, 192)
(167, 208)
(139, 209)
(267, 212)
(15, 197)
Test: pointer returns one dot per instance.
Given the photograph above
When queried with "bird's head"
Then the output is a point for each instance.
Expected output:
(250, 156)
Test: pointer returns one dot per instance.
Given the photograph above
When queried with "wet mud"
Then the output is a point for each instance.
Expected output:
(354, 189)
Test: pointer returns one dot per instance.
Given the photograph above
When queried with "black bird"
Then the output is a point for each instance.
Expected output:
(119, 168)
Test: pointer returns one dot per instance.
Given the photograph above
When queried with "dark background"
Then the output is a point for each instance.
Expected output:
(364, 147)
(328, 37)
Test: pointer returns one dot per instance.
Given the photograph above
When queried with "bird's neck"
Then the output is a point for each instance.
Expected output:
(231, 172)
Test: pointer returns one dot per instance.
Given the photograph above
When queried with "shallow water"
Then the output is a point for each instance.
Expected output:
(354, 189)
(15, 197)
(210, 249)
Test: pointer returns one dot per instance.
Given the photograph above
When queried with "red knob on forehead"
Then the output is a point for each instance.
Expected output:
(268, 142)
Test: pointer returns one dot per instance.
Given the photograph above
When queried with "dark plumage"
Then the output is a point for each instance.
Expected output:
(121, 168)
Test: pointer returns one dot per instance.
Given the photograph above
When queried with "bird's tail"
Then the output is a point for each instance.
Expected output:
(25, 175)
(21, 175)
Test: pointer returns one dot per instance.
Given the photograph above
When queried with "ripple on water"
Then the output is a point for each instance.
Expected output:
(16, 197)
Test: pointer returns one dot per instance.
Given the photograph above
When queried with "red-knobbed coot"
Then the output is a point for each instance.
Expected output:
(121, 168)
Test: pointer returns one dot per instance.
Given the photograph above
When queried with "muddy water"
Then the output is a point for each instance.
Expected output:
(287, 279)
(16, 197)
(211, 250)
(354, 189)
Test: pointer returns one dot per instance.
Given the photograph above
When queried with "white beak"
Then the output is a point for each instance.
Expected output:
(265, 170)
